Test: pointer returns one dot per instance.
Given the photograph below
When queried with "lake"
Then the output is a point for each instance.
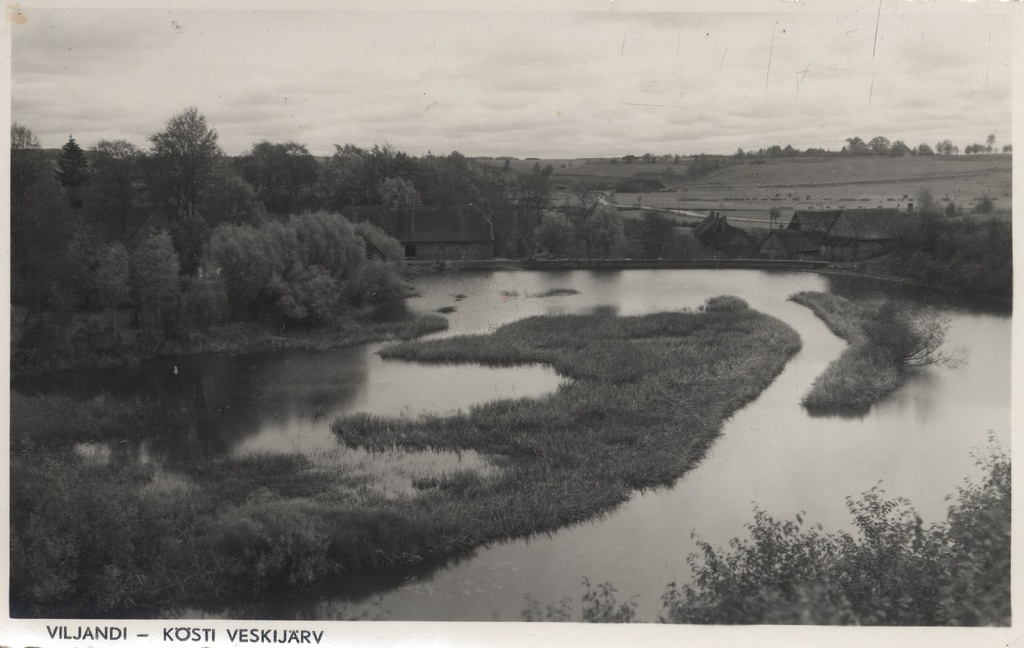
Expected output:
(917, 443)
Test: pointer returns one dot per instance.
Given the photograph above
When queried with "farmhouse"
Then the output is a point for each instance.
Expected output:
(792, 244)
(861, 233)
(433, 232)
(722, 240)
(814, 221)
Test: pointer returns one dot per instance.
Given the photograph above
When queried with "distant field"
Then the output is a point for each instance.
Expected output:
(748, 190)
(594, 169)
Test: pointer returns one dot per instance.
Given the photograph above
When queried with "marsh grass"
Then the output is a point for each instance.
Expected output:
(555, 292)
(864, 372)
(646, 399)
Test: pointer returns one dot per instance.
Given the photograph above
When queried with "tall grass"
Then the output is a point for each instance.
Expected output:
(884, 341)
(647, 399)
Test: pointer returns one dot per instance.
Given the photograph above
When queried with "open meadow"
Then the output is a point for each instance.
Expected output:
(746, 189)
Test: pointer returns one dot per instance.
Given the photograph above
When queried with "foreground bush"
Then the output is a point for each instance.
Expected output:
(892, 570)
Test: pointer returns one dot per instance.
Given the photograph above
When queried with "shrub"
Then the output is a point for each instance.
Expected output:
(310, 296)
(725, 304)
(392, 250)
(377, 285)
(894, 571)
(912, 338)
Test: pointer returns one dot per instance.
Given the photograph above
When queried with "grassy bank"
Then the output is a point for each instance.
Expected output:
(96, 347)
(886, 339)
(94, 534)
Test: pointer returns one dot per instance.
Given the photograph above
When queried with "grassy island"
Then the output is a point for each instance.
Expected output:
(885, 340)
(93, 536)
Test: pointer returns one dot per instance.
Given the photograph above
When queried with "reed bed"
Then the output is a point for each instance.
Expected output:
(646, 399)
(865, 371)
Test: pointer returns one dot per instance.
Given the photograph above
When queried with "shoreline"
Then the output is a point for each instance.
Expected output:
(251, 337)
(839, 269)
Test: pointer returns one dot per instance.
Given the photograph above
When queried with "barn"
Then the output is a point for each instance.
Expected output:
(861, 233)
(814, 220)
(792, 244)
(723, 240)
(432, 232)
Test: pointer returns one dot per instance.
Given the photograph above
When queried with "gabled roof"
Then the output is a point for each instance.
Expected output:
(733, 237)
(425, 223)
(793, 240)
(866, 225)
(716, 232)
(814, 221)
(712, 221)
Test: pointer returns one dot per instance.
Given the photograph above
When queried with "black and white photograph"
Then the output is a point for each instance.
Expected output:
(351, 323)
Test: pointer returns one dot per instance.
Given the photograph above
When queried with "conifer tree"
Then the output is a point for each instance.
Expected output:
(71, 170)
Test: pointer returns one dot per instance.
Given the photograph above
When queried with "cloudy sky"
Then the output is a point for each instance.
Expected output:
(612, 78)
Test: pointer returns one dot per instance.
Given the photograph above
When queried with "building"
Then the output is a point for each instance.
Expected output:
(814, 221)
(723, 240)
(861, 233)
(791, 244)
(432, 232)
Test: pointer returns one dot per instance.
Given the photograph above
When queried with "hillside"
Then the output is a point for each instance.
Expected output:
(747, 189)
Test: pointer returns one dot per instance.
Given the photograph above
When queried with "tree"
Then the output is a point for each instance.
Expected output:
(879, 145)
(946, 147)
(280, 174)
(856, 146)
(111, 279)
(587, 199)
(183, 157)
(1007, 148)
(27, 164)
(398, 193)
(531, 194)
(900, 149)
(990, 143)
(40, 233)
(924, 149)
(655, 233)
(605, 231)
(189, 234)
(912, 337)
(248, 258)
(329, 241)
(116, 188)
(154, 277)
(925, 202)
(230, 199)
(555, 234)
(72, 170)
(774, 214)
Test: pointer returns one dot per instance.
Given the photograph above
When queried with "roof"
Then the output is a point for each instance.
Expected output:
(814, 221)
(793, 240)
(710, 222)
(716, 232)
(866, 225)
(425, 223)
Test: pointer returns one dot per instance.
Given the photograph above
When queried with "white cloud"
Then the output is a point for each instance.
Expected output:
(516, 82)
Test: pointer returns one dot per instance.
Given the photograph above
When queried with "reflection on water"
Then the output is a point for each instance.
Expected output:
(917, 441)
(283, 401)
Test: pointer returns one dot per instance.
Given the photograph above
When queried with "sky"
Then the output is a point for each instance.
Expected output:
(522, 79)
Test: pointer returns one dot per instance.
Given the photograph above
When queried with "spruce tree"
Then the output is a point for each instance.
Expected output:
(71, 170)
